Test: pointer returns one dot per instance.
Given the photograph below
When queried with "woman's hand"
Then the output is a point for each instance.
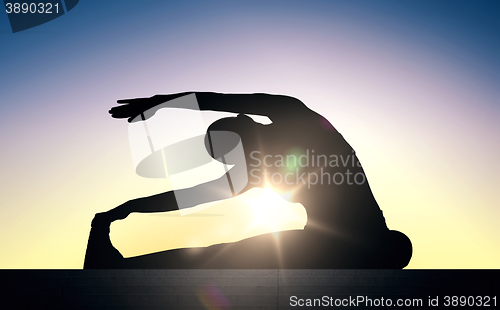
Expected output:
(131, 108)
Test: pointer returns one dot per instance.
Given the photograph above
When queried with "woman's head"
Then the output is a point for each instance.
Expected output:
(224, 135)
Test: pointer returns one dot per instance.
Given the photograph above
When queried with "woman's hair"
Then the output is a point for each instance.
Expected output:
(224, 134)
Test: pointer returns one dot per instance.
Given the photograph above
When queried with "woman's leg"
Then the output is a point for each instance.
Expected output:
(256, 252)
(286, 249)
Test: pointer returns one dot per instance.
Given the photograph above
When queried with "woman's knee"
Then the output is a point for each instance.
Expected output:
(399, 248)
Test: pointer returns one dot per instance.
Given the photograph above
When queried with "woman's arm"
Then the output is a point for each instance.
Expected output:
(272, 106)
(219, 189)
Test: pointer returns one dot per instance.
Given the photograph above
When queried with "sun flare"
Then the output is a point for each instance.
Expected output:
(270, 209)
(255, 212)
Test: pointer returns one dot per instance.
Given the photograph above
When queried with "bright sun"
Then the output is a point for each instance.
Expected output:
(270, 210)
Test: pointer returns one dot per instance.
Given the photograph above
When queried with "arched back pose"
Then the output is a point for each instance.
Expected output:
(346, 228)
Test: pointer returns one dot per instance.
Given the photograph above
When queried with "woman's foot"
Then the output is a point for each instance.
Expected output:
(101, 254)
(101, 220)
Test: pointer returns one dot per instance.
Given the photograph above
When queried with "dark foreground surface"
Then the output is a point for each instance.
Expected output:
(248, 289)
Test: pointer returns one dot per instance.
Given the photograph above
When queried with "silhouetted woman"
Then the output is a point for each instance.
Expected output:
(345, 228)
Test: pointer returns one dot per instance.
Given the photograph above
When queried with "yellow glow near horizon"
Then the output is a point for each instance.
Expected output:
(255, 212)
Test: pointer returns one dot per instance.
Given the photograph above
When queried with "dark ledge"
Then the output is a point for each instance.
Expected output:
(239, 289)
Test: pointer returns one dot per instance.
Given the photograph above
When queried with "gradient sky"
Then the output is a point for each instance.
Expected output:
(411, 85)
